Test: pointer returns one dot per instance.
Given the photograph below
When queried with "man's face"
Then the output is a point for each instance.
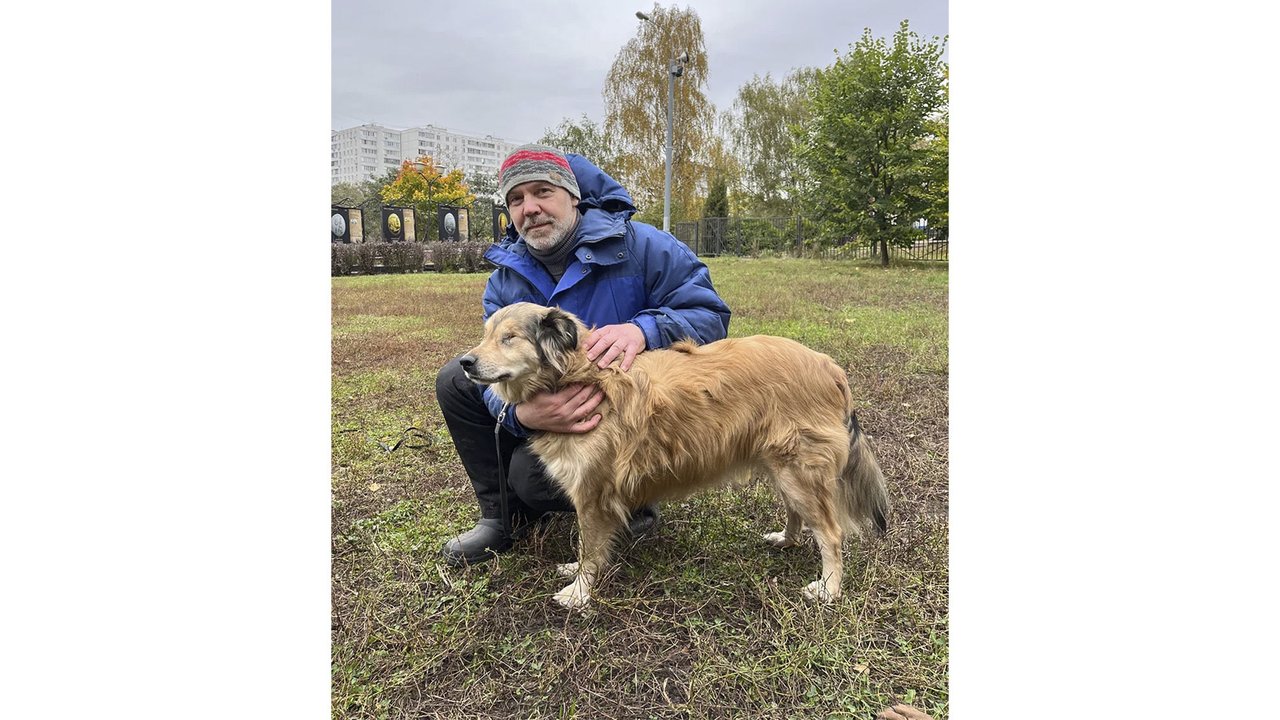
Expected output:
(542, 212)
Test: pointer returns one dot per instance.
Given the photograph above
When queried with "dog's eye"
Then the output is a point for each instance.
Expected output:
(506, 339)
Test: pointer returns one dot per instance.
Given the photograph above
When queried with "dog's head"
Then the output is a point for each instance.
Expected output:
(526, 348)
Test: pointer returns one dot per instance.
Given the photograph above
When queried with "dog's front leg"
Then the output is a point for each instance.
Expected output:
(595, 531)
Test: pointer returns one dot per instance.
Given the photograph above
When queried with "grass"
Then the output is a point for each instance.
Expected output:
(702, 620)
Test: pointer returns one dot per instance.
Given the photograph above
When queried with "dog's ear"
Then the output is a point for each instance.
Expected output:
(557, 336)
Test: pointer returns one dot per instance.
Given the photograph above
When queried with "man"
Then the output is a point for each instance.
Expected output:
(571, 244)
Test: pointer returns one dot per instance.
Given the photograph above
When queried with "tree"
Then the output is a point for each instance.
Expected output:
(585, 138)
(722, 164)
(762, 129)
(868, 145)
(935, 189)
(484, 186)
(717, 204)
(421, 185)
(715, 214)
(635, 95)
(345, 193)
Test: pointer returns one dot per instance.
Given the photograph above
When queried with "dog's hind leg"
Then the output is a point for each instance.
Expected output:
(808, 493)
(596, 528)
(827, 587)
(791, 534)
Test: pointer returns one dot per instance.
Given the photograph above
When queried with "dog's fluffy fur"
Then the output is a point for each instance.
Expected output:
(686, 419)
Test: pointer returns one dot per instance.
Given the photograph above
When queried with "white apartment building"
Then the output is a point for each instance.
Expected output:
(363, 152)
(369, 150)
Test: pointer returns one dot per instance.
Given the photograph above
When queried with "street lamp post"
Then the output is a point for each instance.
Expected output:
(675, 68)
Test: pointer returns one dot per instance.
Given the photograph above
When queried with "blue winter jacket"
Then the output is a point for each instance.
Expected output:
(621, 271)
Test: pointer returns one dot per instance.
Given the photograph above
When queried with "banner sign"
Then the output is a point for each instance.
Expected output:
(393, 224)
(501, 219)
(344, 225)
(339, 227)
(406, 217)
(450, 223)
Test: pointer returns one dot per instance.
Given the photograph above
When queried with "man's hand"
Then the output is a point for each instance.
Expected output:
(567, 411)
(608, 343)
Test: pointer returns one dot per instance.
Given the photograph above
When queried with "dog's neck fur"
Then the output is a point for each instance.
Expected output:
(578, 369)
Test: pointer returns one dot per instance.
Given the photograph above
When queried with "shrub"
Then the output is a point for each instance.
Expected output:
(464, 257)
(346, 259)
(368, 258)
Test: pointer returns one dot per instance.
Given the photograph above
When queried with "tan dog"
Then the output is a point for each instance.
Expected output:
(686, 419)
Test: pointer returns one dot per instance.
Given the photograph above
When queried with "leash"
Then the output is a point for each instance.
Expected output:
(411, 433)
(502, 471)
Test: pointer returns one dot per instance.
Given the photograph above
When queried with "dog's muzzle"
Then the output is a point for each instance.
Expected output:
(468, 363)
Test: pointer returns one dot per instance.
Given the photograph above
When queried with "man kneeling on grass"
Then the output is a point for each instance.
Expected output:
(571, 244)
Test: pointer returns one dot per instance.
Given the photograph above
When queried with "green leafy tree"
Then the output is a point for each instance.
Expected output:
(935, 188)
(344, 193)
(584, 137)
(485, 188)
(723, 164)
(868, 146)
(717, 204)
(715, 214)
(483, 185)
(762, 128)
(422, 186)
(635, 94)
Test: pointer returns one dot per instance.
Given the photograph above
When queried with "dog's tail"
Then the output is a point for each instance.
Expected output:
(864, 497)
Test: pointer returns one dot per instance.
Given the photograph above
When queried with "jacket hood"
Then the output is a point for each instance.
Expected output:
(605, 205)
(599, 190)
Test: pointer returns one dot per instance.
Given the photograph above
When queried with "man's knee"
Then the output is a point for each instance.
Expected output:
(456, 394)
(452, 381)
(448, 375)
(529, 480)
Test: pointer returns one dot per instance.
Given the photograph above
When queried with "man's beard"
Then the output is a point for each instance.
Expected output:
(551, 239)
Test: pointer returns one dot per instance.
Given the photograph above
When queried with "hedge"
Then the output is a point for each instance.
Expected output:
(406, 257)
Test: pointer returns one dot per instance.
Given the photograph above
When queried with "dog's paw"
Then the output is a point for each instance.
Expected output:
(573, 596)
(817, 591)
(567, 569)
(779, 540)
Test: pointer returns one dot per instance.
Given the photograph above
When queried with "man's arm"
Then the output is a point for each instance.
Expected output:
(683, 303)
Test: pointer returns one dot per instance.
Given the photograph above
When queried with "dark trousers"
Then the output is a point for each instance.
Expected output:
(531, 492)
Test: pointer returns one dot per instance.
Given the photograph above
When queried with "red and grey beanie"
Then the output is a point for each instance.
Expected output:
(536, 162)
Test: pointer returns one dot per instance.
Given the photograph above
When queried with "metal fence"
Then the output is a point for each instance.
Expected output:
(793, 237)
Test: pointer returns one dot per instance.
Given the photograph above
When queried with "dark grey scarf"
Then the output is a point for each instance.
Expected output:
(557, 258)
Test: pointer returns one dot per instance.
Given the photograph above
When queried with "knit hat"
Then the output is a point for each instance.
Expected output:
(536, 162)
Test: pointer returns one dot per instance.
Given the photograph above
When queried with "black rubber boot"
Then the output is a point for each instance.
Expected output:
(642, 521)
(479, 544)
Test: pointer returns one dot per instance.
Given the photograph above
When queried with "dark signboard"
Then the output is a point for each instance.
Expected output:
(339, 224)
(501, 219)
(393, 224)
(450, 223)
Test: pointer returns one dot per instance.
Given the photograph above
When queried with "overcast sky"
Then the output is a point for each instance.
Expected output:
(514, 69)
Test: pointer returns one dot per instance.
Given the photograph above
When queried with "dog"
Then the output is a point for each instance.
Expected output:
(688, 418)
